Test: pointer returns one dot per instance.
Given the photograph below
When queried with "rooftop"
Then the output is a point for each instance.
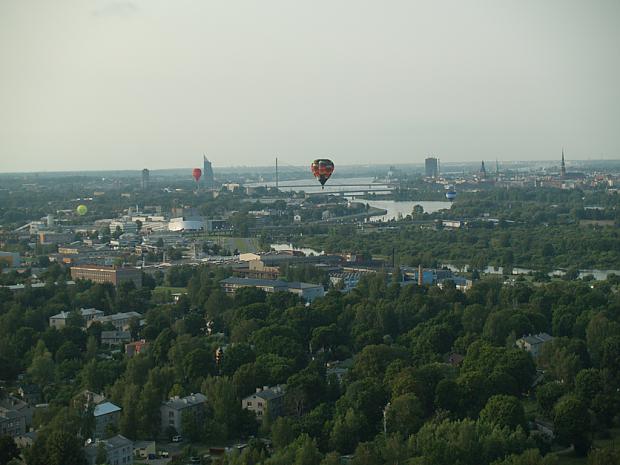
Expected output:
(106, 408)
(255, 282)
(268, 393)
(179, 403)
(537, 338)
(115, 334)
(83, 311)
(114, 442)
(120, 316)
(299, 285)
(118, 441)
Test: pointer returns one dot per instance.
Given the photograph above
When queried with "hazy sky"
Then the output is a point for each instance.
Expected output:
(89, 84)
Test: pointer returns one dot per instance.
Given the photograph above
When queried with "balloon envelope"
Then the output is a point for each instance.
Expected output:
(322, 169)
(196, 173)
(81, 209)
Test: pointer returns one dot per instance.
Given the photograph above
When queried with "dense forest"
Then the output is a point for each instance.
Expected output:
(483, 410)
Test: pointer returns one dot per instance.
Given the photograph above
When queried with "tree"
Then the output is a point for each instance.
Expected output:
(193, 425)
(333, 458)
(228, 419)
(466, 442)
(504, 410)
(560, 362)
(347, 431)
(405, 415)
(64, 448)
(588, 383)
(529, 457)
(199, 363)
(604, 456)
(41, 369)
(102, 455)
(283, 432)
(571, 420)
(307, 452)
(8, 450)
(611, 355)
(235, 356)
(473, 318)
(67, 351)
(366, 453)
(598, 330)
(547, 395)
(91, 347)
(129, 417)
(306, 389)
(372, 361)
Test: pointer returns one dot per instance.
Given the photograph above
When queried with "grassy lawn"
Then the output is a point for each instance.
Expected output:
(172, 290)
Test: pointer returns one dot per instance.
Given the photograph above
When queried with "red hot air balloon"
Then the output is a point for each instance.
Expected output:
(322, 169)
(196, 173)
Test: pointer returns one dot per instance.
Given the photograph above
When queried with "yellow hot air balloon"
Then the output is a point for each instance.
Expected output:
(82, 209)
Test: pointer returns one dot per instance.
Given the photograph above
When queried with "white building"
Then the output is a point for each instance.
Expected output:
(88, 314)
(534, 343)
(266, 402)
(172, 410)
(181, 224)
(121, 321)
(125, 226)
(118, 451)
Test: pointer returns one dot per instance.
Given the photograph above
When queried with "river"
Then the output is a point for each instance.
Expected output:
(396, 209)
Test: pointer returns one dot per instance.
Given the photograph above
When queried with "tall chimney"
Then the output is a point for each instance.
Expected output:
(420, 277)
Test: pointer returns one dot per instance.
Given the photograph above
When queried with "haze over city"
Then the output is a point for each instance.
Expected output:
(131, 84)
(341, 232)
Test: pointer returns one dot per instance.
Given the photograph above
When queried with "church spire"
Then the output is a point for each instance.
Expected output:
(563, 165)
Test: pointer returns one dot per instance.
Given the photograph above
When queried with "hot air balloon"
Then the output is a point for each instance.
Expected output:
(196, 173)
(322, 169)
(81, 210)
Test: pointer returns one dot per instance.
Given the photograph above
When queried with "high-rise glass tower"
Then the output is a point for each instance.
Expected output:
(207, 173)
(431, 167)
(145, 179)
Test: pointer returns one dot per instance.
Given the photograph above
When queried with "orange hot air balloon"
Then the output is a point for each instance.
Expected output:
(322, 169)
(196, 173)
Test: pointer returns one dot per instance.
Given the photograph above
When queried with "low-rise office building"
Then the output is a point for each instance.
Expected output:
(111, 338)
(107, 274)
(172, 410)
(121, 321)
(88, 314)
(534, 343)
(118, 451)
(106, 414)
(266, 402)
(306, 291)
(12, 422)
